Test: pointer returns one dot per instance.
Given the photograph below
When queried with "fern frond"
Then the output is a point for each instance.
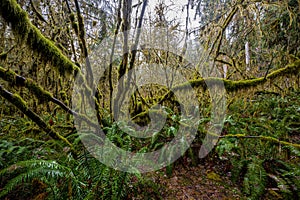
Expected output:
(255, 179)
(35, 169)
(30, 175)
(293, 150)
(281, 183)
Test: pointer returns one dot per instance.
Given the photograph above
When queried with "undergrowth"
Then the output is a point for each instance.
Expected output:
(34, 166)
(264, 168)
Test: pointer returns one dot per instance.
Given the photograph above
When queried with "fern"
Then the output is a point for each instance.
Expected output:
(238, 167)
(291, 176)
(255, 179)
(36, 169)
(293, 150)
(111, 184)
(281, 184)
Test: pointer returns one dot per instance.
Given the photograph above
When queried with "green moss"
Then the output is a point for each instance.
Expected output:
(289, 69)
(233, 86)
(8, 75)
(19, 102)
(242, 84)
(38, 91)
(63, 94)
(25, 31)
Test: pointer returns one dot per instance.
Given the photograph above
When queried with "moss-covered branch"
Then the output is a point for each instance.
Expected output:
(265, 138)
(218, 40)
(90, 77)
(25, 31)
(232, 86)
(17, 101)
(39, 92)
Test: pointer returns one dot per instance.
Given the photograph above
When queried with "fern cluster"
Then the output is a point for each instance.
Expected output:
(260, 165)
(33, 168)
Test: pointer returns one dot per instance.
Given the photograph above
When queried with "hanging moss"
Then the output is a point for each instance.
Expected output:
(25, 31)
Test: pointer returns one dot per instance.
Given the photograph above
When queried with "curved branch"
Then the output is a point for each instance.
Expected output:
(233, 86)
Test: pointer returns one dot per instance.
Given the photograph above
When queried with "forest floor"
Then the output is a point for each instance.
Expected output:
(203, 181)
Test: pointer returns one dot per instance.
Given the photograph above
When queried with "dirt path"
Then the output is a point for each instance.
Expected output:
(199, 182)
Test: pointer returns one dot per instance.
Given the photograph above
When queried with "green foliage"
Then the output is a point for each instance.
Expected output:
(59, 175)
(286, 175)
(255, 179)
(258, 163)
(47, 171)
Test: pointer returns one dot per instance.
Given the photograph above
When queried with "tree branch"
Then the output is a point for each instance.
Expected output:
(90, 76)
(39, 92)
(17, 101)
(26, 32)
(266, 138)
(232, 86)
